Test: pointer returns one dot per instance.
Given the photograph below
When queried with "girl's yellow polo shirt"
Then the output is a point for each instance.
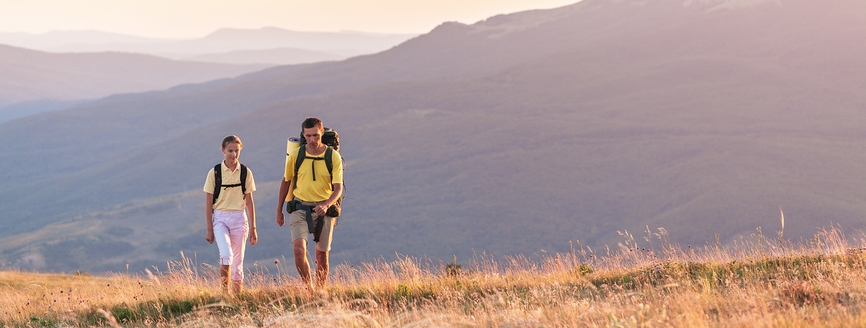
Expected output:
(232, 198)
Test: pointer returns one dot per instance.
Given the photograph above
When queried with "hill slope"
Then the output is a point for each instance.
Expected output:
(517, 134)
(31, 75)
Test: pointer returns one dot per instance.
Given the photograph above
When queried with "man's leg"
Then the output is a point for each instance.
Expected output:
(321, 269)
(300, 249)
(323, 248)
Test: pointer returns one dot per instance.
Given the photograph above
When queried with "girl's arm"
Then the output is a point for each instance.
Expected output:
(251, 211)
(208, 214)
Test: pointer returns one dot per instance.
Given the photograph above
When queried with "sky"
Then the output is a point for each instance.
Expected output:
(197, 18)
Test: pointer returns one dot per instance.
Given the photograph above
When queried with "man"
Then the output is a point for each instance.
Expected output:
(310, 193)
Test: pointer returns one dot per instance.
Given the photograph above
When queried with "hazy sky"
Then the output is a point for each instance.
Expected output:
(196, 18)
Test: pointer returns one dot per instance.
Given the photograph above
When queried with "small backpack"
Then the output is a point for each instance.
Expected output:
(218, 181)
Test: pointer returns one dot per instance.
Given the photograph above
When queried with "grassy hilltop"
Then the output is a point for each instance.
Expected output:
(647, 282)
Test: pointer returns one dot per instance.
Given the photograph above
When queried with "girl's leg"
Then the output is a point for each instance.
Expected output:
(239, 234)
(223, 240)
(224, 277)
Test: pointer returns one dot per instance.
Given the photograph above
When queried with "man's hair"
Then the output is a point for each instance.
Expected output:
(312, 122)
(232, 138)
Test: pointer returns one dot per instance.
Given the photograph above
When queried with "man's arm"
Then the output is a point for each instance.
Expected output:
(281, 198)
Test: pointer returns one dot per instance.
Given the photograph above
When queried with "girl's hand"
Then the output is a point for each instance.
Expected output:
(209, 237)
(254, 236)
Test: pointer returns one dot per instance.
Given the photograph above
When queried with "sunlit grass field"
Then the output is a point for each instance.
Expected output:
(643, 282)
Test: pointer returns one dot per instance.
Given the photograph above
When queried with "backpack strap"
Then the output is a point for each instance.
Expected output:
(218, 181)
(244, 180)
(302, 153)
(329, 155)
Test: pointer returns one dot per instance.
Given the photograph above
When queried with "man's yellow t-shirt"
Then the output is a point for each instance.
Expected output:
(306, 188)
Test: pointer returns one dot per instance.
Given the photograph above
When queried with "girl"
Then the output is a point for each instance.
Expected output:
(228, 206)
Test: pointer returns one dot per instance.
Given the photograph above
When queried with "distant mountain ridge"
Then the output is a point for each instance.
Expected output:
(49, 40)
(519, 134)
(330, 45)
(286, 56)
(33, 75)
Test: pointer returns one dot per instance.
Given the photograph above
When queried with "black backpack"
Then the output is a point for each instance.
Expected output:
(218, 181)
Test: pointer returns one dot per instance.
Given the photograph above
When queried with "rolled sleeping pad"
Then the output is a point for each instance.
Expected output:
(291, 144)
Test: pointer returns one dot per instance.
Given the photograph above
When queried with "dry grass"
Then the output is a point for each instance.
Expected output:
(755, 282)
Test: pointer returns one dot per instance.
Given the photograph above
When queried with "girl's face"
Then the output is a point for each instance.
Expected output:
(232, 151)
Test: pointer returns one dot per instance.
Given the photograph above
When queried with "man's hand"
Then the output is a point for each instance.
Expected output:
(209, 237)
(321, 209)
(281, 218)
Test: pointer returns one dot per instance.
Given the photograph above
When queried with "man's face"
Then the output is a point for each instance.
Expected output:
(313, 136)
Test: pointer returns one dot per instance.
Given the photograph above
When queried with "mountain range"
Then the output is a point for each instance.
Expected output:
(30, 75)
(688, 122)
(267, 45)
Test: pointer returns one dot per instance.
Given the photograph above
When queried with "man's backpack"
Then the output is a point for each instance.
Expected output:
(330, 138)
(218, 181)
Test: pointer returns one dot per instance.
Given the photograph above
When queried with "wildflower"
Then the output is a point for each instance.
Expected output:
(276, 261)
